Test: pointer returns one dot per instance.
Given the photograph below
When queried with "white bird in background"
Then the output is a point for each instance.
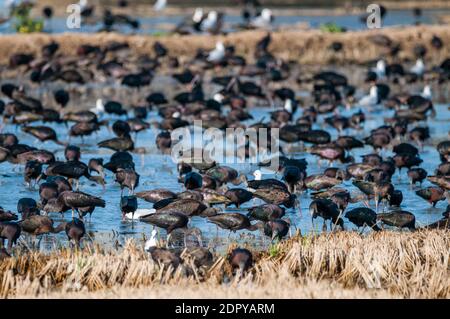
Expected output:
(380, 69)
(257, 174)
(160, 5)
(218, 97)
(176, 115)
(290, 106)
(371, 99)
(426, 93)
(99, 107)
(217, 54)
(82, 4)
(210, 22)
(152, 242)
(419, 67)
(198, 15)
(263, 20)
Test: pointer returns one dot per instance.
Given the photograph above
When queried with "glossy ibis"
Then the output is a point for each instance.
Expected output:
(27, 207)
(128, 204)
(363, 216)
(432, 194)
(193, 180)
(73, 200)
(234, 222)
(156, 195)
(292, 175)
(32, 171)
(417, 174)
(400, 219)
(238, 196)
(75, 230)
(277, 228)
(162, 256)
(326, 209)
(10, 231)
(266, 212)
(127, 178)
(240, 258)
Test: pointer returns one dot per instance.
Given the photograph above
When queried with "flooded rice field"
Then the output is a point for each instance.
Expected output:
(166, 23)
(159, 171)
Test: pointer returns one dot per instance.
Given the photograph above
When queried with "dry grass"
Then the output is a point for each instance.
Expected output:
(345, 264)
(304, 46)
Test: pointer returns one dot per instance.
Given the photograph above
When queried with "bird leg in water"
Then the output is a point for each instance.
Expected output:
(73, 213)
(377, 200)
(39, 243)
(324, 226)
(363, 228)
(168, 240)
(341, 211)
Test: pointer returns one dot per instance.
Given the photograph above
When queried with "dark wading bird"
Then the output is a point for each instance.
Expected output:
(238, 196)
(234, 222)
(379, 191)
(266, 212)
(37, 225)
(328, 210)
(277, 228)
(127, 178)
(241, 259)
(432, 194)
(128, 204)
(75, 231)
(73, 200)
(400, 219)
(362, 217)
(10, 231)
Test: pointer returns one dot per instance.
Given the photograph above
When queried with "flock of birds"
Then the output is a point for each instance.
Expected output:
(210, 187)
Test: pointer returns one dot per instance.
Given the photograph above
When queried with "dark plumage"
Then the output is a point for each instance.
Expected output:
(400, 219)
(326, 209)
(363, 216)
(241, 258)
(238, 196)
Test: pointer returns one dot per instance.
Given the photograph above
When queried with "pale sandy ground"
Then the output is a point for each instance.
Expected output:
(304, 46)
(292, 289)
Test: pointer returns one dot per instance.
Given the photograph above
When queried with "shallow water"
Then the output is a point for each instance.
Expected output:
(152, 25)
(158, 171)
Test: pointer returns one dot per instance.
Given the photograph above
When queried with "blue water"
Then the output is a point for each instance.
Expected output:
(150, 25)
(158, 171)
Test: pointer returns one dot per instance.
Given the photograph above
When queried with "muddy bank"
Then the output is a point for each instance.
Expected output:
(303, 46)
